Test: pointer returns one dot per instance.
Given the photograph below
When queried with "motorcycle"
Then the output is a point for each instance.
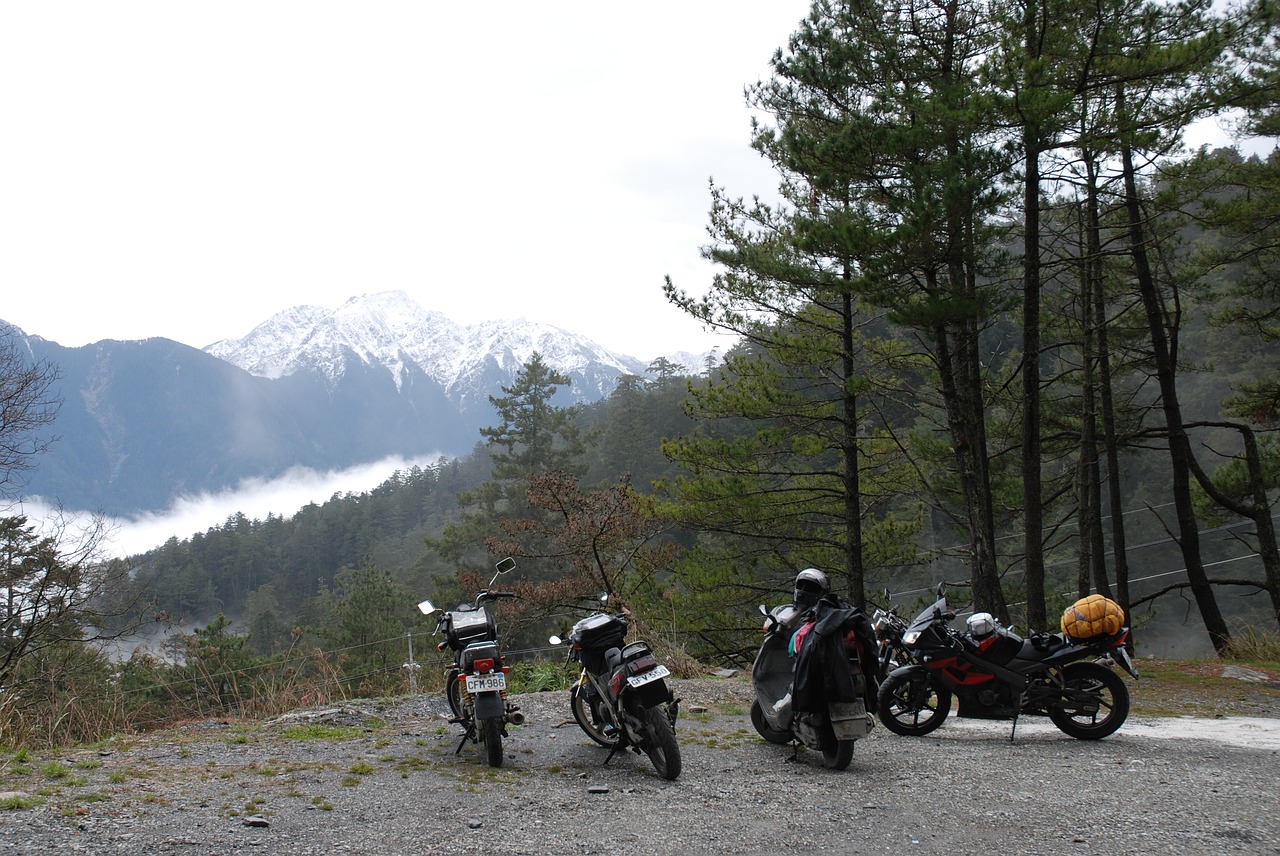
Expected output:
(826, 722)
(996, 674)
(476, 682)
(621, 699)
(889, 628)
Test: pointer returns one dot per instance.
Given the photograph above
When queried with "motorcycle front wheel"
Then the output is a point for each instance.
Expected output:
(837, 754)
(1091, 721)
(913, 705)
(491, 733)
(764, 729)
(660, 743)
(588, 721)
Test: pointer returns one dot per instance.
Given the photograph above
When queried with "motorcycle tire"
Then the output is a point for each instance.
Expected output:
(453, 692)
(491, 735)
(837, 754)
(765, 730)
(1113, 702)
(588, 721)
(660, 743)
(913, 705)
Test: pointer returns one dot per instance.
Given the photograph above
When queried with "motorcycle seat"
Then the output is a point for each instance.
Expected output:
(612, 659)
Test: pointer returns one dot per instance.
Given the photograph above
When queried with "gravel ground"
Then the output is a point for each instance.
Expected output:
(393, 785)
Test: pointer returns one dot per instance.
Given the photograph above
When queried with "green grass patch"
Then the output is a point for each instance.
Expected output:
(19, 802)
(536, 676)
(55, 770)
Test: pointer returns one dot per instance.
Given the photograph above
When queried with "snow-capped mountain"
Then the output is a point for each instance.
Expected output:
(145, 422)
(390, 330)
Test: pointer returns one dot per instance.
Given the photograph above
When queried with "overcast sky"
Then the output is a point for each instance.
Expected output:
(186, 169)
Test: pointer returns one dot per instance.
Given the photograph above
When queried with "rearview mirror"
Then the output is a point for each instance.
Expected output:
(507, 564)
(426, 608)
(555, 640)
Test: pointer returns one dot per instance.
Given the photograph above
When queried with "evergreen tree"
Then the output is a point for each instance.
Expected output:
(533, 436)
(879, 138)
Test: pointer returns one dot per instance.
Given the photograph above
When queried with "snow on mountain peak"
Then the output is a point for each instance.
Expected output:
(391, 330)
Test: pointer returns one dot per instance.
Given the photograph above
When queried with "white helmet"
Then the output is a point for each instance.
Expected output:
(811, 585)
(981, 624)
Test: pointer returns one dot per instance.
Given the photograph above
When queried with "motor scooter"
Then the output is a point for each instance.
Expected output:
(824, 721)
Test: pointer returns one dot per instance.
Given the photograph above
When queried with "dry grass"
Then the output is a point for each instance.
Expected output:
(1205, 688)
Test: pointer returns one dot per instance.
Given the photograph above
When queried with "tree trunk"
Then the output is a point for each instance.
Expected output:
(1033, 511)
(852, 485)
(1179, 447)
(1110, 442)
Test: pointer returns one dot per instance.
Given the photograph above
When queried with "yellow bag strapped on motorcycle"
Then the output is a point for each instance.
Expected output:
(1092, 616)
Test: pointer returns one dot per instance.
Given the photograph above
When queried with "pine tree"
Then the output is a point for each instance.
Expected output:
(534, 436)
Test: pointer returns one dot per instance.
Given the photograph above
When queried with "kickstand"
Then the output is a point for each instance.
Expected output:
(612, 752)
(461, 743)
(795, 751)
(1014, 729)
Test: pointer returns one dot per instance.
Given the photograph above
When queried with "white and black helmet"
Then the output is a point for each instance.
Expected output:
(981, 624)
(811, 585)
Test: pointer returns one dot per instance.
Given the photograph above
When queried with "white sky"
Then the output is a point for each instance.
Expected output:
(186, 169)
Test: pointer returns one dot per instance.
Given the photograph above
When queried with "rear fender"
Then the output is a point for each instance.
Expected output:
(489, 705)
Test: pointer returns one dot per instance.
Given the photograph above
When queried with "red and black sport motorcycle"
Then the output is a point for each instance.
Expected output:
(995, 674)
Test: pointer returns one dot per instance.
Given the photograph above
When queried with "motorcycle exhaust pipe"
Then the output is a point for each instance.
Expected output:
(515, 717)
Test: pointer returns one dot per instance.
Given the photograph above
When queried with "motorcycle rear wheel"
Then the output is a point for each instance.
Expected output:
(491, 732)
(913, 705)
(660, 743)
(765, 730)
(589, 722)
(453, 692)
(1113, 702)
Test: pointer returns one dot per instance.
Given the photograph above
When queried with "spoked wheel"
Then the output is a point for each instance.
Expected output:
(765, 730)
(660, 743)
(491, 734)
(595, 727)
(1096, 701)
(837, 754)
(913, 705)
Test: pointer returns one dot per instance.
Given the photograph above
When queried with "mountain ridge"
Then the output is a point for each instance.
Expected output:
(146, 422)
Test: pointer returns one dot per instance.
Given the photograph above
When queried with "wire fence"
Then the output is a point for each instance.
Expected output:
(273, 674)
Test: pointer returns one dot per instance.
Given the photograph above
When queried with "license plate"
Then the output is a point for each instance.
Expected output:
(653, 674)
(1121, 656)
(486, 683)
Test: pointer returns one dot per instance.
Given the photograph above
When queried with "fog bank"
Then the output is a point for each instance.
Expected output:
(254, 498)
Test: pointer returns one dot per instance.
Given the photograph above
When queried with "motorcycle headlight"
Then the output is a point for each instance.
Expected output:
(911, 637)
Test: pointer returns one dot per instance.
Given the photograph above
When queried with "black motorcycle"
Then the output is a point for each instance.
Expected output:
(796, 696)
(476, 682)
(621, 699)
(996, 674)
(889, 628)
